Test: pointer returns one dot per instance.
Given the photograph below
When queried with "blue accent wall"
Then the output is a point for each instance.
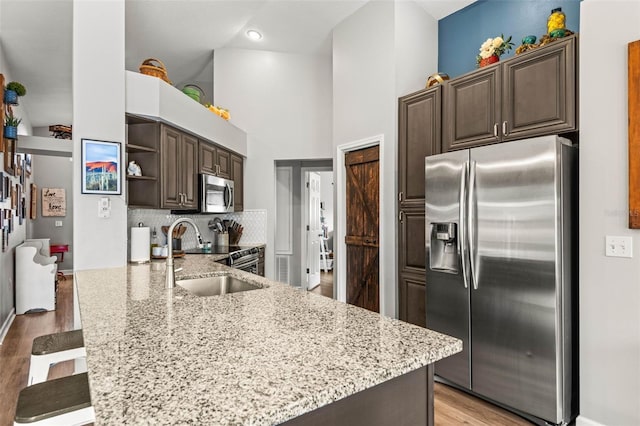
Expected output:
(461, 34)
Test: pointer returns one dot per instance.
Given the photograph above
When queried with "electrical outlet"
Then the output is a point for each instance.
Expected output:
(58, 223)
(618, 246)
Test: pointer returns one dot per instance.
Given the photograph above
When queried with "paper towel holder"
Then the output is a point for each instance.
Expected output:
(140, 251)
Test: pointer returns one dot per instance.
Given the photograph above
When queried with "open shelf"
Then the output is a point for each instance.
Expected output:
(130, 147)
(131, 177)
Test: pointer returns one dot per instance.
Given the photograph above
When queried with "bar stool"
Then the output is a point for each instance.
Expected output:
(52, 348)
(64, 401)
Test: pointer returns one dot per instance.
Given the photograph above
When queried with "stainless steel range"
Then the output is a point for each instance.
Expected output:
(243, 258)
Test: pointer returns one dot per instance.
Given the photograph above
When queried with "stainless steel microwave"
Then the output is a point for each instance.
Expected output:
(216, 194)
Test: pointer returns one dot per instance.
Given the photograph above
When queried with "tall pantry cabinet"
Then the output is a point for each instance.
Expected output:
(419, 135)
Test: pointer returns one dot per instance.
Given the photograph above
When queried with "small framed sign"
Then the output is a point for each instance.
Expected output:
(54, 202)
(101, 163)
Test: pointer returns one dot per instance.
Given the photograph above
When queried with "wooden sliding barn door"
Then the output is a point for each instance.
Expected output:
(363, 206)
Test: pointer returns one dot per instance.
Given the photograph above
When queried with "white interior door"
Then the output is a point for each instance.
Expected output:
(314, 229)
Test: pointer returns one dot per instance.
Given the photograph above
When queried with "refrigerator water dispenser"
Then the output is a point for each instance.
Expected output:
(444, 248)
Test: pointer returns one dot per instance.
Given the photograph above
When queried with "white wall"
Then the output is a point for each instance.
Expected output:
(609, 287)
(54, 172)
(416, 45)
(7, 287)
(98, 113)
(283, 102)
(382, 51)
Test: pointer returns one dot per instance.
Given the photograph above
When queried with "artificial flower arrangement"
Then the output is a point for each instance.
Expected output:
(492, 49)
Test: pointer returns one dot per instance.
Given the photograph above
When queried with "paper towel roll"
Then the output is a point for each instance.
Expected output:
(140, 244)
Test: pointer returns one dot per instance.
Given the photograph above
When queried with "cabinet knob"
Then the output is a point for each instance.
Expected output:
(401, 216)
(504, 129)
(495, 130)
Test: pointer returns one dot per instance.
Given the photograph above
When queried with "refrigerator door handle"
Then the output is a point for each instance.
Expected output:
(472, 225)
(462, 233)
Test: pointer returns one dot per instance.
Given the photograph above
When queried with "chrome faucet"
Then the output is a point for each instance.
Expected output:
(171, 278)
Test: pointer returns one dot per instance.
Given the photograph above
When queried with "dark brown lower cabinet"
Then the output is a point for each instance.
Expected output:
(406, 400)
(412, 293)
(411, 266)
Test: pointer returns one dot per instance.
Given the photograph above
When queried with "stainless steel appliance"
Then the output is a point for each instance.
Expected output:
(501, 225)
(244, 258)
(216, 194)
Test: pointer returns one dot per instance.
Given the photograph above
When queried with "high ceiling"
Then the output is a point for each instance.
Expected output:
(36, 37)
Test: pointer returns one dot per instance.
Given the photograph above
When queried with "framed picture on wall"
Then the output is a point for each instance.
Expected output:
(27, 164)
(33, 214)
(9, 156)
(14, 196)
(101, 163)
(54, 202)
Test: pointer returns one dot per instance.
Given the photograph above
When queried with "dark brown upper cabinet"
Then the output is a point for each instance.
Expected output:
(179, 157)
(237, 175)
(419, 135)
(532, 94)
(214, 160)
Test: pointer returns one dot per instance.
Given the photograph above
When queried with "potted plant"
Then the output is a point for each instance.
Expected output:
(492, 49)
(13, 91)
(11, 127)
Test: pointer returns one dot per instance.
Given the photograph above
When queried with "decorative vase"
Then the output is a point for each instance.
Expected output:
(11, 97)
(10, 132)
(488, 61)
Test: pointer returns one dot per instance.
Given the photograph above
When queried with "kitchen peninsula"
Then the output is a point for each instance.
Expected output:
(261, 357)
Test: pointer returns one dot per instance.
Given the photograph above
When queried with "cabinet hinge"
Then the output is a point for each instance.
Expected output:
(307, 270)
(307, 184)
(307, 227)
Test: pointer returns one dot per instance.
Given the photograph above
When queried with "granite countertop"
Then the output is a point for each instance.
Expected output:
(260, 357)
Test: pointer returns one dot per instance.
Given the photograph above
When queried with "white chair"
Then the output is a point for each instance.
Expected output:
(35, 278)
(53, 348)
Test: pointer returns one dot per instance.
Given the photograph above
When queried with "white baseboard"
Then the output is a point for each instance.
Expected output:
(583, 421)
(7, 324)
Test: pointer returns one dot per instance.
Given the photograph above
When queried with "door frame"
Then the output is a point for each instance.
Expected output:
(340, 248)
(304, 254)
(303, 221)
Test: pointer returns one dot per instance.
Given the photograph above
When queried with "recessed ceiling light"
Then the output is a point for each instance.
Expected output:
(254, 35)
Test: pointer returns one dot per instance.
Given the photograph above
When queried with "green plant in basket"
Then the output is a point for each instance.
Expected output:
(17, 87)
(11, 121)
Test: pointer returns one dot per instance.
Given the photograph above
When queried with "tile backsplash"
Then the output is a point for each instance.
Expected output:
(254, 223)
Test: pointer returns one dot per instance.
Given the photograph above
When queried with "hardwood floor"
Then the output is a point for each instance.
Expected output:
(452, 407)
(16, 348)
(326, 284)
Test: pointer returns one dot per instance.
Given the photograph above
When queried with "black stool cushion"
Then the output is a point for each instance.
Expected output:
(53, 398)
(57, 342)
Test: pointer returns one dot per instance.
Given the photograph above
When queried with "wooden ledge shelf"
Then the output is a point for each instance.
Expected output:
(130, 177)
(139, 148)
(634, 134)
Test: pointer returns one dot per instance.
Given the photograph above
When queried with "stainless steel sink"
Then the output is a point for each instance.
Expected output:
(214, 286)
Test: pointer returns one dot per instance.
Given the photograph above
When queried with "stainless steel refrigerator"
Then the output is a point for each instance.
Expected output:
(501, 235)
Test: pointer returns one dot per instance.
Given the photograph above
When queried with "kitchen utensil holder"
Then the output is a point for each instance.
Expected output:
(221, 239)
(234, 237)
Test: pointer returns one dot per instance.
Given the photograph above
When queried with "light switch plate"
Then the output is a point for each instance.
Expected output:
(618, 246)
(104, 207)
